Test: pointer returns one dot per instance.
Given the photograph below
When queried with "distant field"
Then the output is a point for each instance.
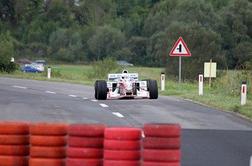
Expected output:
(214, 97)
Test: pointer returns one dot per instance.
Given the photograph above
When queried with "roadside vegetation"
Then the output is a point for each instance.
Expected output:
(224, 93)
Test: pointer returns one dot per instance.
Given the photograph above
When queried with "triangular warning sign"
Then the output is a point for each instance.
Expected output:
(180, 48)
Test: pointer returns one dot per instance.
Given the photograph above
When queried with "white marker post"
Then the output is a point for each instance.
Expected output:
(162, 81)
(201, 84)
(250, 164)
(49, 70)
(244, 93)
(12, 59)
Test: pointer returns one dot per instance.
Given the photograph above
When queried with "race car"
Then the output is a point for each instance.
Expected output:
(125, 85)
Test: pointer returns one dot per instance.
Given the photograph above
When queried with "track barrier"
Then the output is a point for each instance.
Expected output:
(57, 144)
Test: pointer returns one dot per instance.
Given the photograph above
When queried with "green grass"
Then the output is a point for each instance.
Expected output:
(213, 97)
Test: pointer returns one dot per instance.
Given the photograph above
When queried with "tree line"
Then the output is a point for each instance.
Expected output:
(139, 31)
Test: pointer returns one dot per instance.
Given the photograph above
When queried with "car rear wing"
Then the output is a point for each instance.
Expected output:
(117, 76)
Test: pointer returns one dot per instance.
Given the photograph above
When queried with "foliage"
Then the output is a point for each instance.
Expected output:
(6, 53)
(139, 31)
(103, 67)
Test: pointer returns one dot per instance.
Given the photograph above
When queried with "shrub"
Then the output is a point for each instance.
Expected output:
(103, 67)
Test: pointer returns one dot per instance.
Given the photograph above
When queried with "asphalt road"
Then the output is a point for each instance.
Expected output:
(210, 137)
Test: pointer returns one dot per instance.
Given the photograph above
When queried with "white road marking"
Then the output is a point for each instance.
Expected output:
(94, 100)
(72, 95)
(250, 161)
(50, 92)
(20, 87)
(85, 98)
(104, 105)
(118, 114)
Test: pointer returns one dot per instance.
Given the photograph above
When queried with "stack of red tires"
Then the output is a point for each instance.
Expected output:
(85, 145)
(161, 145)
(14, 143)
(48, 143)
(122, 147)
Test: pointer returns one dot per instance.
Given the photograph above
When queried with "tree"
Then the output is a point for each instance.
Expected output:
(6, 51)
(105, 42)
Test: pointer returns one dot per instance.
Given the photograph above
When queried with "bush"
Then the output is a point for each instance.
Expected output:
(230, 82)
(102, 68)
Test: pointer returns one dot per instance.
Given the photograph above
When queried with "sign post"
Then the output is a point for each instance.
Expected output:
(180, 49)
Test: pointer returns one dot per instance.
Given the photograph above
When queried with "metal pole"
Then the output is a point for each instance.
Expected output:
(180, 59)
(210, 74)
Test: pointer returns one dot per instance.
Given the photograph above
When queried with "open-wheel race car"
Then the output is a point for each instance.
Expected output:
(125, 85)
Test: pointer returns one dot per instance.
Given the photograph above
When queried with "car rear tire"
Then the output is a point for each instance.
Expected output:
(101, 90)
(153, 88)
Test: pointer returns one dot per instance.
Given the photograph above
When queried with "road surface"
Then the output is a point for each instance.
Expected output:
(210, 137)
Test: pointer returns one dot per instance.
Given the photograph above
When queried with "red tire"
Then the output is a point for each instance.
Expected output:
(13, 161)
(83, 162)
(88, 142)
(162, 130)
(121, 163)
(122, 155)
(161, 155)
(14, 140)
(46, 162)
(15, 128)
(14, 150)
(122, 145)
(47, 152)
(123, 133)
(161, 143)
(47, 140)
(51, 129)
(84, 153)
(86, 130)
(147, 163)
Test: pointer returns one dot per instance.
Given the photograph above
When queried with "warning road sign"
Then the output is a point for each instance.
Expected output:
(180, 48)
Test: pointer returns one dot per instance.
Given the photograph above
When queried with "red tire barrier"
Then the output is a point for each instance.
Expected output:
(14, 150)
(14, 140)
(162, 130)
(122, 155)
(47, 140)
(46, 162)
(84, 153)
(83, 162)
(123, 133)
(13, 161)
(51, 129)
(120, 163)
(86, 130)
(122, 145)
(15, 128)
(85, 142)
(146, 163)
(161, 155)
(161, 143)
(47, 152)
